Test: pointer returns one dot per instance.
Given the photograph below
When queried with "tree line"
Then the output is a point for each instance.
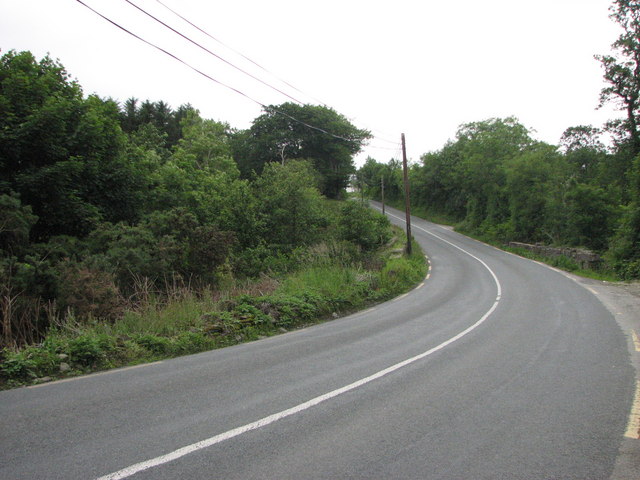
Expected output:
(96, 197)
(495, 180)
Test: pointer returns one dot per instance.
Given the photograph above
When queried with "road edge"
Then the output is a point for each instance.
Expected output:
(622, 300)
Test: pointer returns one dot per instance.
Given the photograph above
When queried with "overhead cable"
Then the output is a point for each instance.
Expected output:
(175, 57)
(212, 53)
(201, 30)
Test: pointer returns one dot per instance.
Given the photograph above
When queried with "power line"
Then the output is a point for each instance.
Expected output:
(201, 30)
(239, 53)
(395, 148)
(211, 53)
(147, 42)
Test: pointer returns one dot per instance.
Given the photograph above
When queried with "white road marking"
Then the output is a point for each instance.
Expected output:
(400, 297)
(633, 427)
(181, 452)
(636, 341)
(106, 372)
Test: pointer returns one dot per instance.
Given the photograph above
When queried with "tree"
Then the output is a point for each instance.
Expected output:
(290, 204)
(290, 131)
(16, 221)
(533, 180)
(584, 151)
(372, 173)
(622, 73)
(205, 145)
(590, 216)
(484, 148)
(437, 183)
(159, 114)
(62, 153)
(39, 108)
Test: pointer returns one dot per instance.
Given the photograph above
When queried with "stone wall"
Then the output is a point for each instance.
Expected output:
(584, 258)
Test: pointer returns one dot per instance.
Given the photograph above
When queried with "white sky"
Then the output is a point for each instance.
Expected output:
(417, 67)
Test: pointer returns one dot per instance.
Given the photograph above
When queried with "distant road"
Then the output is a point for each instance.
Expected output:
(495, 368)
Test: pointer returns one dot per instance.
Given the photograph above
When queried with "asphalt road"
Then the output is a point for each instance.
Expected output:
(496, 368)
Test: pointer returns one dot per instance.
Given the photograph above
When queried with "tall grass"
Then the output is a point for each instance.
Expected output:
(332, 279)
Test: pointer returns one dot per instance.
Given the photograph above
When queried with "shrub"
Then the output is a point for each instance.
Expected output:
(400, 273)
(191, 342)
(90, 349)
(17, 365)
(363, 226)
(30, 362)
(89, 293)
(154, 344)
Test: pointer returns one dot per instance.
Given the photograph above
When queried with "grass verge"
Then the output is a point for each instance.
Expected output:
(332, 283)
(561, 262)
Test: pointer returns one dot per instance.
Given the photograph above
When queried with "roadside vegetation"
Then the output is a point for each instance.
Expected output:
(327, 280)
(494, 181)
(133, 232)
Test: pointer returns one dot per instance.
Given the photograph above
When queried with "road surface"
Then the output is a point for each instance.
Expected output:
(495, 368)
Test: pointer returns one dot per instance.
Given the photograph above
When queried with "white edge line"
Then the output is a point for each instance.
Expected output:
(400, 297)
(636, 341)
(96, 374)
(633, 425)
(181, 452)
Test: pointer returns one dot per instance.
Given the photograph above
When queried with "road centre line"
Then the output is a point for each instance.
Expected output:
(209, 442)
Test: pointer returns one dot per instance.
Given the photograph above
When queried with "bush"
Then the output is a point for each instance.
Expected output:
(401, 273)
(191, 342)
(91, 349)
(286, 311)
(363, 226)
(154, 344)
(18, 365)
(28, 363)
(89, 293)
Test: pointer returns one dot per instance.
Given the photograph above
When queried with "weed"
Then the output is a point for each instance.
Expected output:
(331, 277)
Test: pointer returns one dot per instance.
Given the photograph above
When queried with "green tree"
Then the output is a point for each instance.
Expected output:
(437, 183)
(291, 131)
(39, 108)
(529, 186)
(290, 204)
(363, 226)
(60, 152)
(16, 221)
(622, 73)
(485, 147)
(205, 145)
(591, 216)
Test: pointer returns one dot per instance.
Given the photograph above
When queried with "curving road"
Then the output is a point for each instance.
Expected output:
(496, 368)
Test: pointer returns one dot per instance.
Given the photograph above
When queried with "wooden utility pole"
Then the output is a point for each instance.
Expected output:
(382, 189)
(407, 206)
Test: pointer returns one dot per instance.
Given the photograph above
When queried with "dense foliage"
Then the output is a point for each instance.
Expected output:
(496, 181)
(99, 201)
(318, 134)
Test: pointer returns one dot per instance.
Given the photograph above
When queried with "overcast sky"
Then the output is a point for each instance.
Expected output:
(404, 66)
